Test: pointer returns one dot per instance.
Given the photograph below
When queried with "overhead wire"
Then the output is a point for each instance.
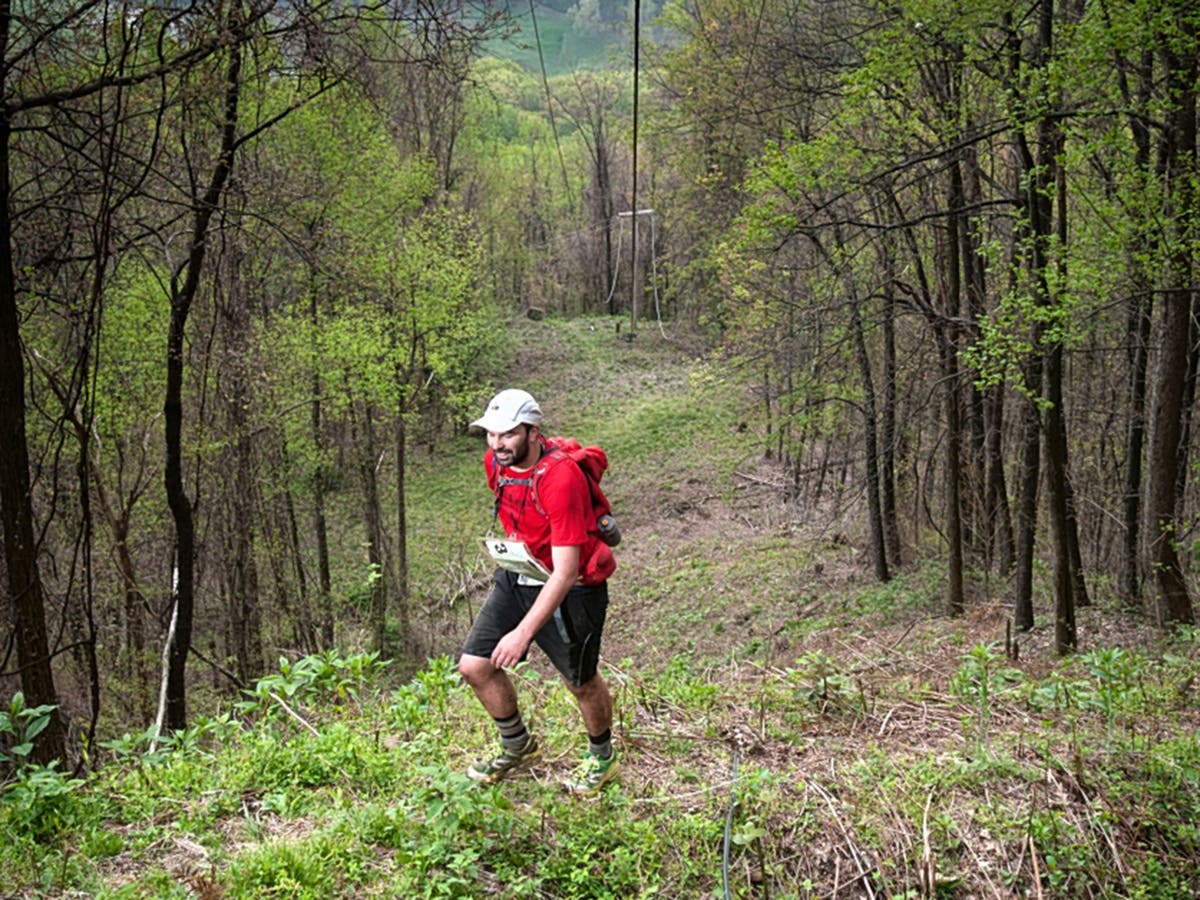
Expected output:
(637, 16)
(537, 37)
(633, 281)
(634, 212)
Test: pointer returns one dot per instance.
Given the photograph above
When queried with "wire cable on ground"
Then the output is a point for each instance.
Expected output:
(733, 803)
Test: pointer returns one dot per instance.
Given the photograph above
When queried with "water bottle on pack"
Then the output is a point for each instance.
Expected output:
(609, 532)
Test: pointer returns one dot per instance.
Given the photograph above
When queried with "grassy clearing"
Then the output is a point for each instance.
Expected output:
(789, 728)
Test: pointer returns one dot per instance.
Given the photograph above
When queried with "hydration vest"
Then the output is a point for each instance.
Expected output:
(592, 460)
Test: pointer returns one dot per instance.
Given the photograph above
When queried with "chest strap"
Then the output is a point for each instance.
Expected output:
(503, 481)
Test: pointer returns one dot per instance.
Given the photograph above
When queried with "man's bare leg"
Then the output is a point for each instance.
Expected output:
(495, 691)
(600, 764)
(492, 686)
(595, 704)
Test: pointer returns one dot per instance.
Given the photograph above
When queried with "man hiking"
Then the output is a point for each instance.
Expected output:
(543, 501)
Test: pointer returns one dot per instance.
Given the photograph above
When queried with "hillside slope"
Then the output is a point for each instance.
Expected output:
(876, 745)
(788, 726)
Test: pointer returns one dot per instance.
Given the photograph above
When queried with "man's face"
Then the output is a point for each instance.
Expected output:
(513, 448)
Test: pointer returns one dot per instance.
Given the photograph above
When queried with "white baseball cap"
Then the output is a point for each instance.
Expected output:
(507, 410)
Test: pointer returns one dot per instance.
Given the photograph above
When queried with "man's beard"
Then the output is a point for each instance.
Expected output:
(518, 455)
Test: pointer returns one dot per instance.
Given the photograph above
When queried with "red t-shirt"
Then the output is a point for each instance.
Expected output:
(564, 518)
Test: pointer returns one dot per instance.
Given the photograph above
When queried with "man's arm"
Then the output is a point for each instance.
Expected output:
(566, 572)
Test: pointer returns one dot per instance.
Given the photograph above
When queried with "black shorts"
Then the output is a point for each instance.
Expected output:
(571, 639)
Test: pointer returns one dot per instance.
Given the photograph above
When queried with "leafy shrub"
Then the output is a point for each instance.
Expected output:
(602, 854)
(426, 695)
(440, 832)
(818, 681)
(980, 679)
(325, 677)
(19, 726)
(39, 801)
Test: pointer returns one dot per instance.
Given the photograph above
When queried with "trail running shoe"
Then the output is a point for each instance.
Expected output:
(592, 774)
(492, 770)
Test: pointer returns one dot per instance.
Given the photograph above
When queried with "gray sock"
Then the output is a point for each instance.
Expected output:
(513, 733)
(601, 745)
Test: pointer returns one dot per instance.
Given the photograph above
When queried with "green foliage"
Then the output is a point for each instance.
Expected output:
(683, 683)
(37, 801)
(566, 40)
(819, 682)
(41, 802)
(427, 695)
(982, 677)
(427, 832)
(1113, 682)
(369, 799)
(981, 680)
(21, 725)
(326, 677)
(600, 860)
(359, 595)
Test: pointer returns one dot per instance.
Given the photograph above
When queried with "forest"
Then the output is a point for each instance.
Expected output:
(261, 262)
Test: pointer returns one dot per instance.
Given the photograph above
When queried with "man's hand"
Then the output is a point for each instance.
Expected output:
(513, 646)
(510, 650)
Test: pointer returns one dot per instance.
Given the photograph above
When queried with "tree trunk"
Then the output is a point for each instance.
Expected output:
(1043, 366)
(948, 348)
(308, 637)
(891, 522)
(1175, 605)
(1174, 602)
(243, 513)
(376, 568)
(998, 515)
(987, 513)
(1138, 322)
(1138, 336)
(16, 501)
(1056, 478)
(404, 638)
(956, 599)
(182, 296)
(1027, 504)
(320, 527)
(243, 565)
(1078, 585)
(1189, 400)
(871, 446)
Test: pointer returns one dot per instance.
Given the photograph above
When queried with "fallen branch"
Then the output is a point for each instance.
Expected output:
(295, 715)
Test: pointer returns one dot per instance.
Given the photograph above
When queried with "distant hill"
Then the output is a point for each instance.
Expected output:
(570, 39)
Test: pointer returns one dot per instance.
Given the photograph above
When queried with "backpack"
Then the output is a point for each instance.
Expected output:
(592, 460)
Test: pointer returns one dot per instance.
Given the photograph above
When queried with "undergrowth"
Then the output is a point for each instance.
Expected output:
(779, 781)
